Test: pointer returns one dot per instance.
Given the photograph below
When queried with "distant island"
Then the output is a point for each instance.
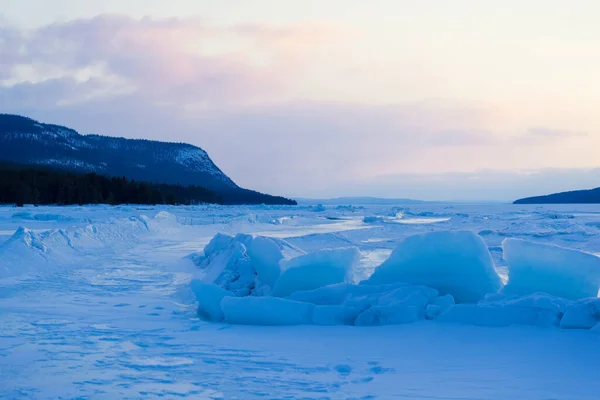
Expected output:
(591, 196)
(53, 155)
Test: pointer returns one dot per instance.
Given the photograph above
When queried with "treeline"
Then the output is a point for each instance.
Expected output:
(591, 196)
(31, 185)
(247, 196)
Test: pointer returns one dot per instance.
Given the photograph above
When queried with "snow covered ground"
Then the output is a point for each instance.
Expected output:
(96, 302)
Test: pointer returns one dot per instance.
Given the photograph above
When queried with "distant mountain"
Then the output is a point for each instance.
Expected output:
(26, 141)
(591, 196)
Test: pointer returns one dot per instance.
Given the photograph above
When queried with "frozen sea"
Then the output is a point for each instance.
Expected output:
(95, 303)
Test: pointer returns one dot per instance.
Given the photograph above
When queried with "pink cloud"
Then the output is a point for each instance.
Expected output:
(169, 60)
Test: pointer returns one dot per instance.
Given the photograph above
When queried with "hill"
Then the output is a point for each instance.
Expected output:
(29, 142)
(591, 196)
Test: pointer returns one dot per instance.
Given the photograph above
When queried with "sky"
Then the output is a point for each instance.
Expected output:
(437, 100)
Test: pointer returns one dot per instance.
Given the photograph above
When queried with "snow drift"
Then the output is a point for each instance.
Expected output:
(38, 252)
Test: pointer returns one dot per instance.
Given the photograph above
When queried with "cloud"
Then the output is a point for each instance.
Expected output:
(550, 133)
(182, 60)
(226, 89)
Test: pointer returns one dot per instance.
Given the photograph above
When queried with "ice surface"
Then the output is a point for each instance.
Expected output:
(230, 268)
(209, 298)
(389, 315)
(243, 264)
(104, 294)
(496, 316)
(582, 314)
(454, 262)
(266, 311)
(535, 267)
(266, 254)
(334, 315)
(315, 270)
(350, 304)
(218, 243)
(536, 309)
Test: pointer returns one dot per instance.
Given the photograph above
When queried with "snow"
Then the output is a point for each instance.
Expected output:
(315, 270)
(196, 159)
(103, 302)
(535, 267)
(454, 262)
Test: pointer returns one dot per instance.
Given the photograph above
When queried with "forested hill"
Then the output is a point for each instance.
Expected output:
(33, 185)
(26, 141)
(591, 196)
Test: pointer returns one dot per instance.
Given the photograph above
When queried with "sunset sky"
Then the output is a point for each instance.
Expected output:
(449, 100)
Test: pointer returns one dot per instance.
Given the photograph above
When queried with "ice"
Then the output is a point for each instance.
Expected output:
(537, 309)
(433, 311)
(40, 217)
(218, 243)
(229, 268)
(244, 264)
(495, 316)
(339, 293)
(266, 254)
(417, 296)
(334, 294)
(389, 315)
(266, 311)
(371, 219)
(535, 267)
(209, 298)
(104, 293)
(444, 302)
(334, 315)
(582, 314)
(315, 270)
(350, 304)
(454, 262)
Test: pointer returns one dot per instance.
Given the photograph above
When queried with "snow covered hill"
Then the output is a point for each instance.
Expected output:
(25, 141)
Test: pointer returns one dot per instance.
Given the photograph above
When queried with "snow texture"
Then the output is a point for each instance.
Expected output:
(454, 262)
(96, 303)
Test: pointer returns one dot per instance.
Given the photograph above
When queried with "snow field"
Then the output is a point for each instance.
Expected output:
(97, 304)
